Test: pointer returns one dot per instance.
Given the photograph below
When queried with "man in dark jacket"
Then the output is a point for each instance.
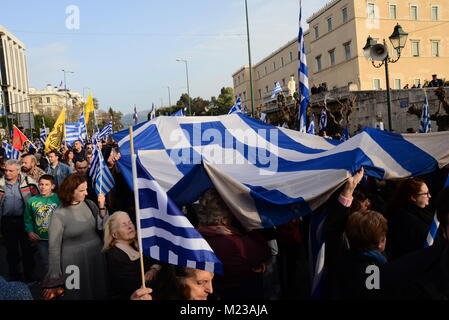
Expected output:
(423, 274)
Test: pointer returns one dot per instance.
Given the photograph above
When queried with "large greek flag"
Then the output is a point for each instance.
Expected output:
(10, 152)
(72, 133)
(303, 75)
(269, 175)
(165, 233)
(102, 179)
(237, 107)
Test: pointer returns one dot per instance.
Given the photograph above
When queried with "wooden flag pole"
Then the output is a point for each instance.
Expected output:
(136, 202)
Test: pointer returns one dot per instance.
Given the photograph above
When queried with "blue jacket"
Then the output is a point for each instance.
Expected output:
(59, 173)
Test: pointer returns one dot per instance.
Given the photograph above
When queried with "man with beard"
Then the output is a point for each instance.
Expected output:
(30, 168)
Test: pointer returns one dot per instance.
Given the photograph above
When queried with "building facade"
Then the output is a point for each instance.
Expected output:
(51, 100)
(334, 45)
(13, 73)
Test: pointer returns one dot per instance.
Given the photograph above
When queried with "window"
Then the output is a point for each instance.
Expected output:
(283, 82)
(393, 11)
(413, 12)
(376, 84)
(243, 77)
(239, 79)
(397, 84)
(415, 48)
(282, 61)
(318, 63)
(291, 56)
(274, 65)
(260, 94)
(417, 82)
(258, 74)
(332, 57)
(347, 50)
(344, 13)
(48, 100)
(40, 100)
(266, 89)
(329, 24)
(371, 10)
(244, 95)
(434, 13)
(435, 48)
(317, 32)
(266, 72)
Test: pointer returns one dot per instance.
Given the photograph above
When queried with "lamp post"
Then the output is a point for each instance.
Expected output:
(169, 98)
(250, 64)
(379, 52)
(188, 88)
(65, 89)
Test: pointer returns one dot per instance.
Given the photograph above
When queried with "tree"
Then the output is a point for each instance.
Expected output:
(116, 117)
(225, 100)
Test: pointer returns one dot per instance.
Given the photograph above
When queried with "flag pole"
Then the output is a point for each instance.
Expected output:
(136, 202)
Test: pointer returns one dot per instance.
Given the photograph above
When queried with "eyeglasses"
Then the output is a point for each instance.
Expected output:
(423, 194)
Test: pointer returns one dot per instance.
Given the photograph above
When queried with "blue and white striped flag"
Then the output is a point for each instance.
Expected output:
(323, 120)
(425, 118)
(177, 113)
(345, 134)
(432, 232)
(311, 129)
(101, 176)
(10, 152)
(237, 107)
(105, 132)
(277, 89)
(303, 78)
(165, 233)
(72, 131)
(135, 116)
(43, 133)
(82, 128)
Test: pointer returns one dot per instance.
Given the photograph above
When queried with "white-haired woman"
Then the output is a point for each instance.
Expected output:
(123, 259)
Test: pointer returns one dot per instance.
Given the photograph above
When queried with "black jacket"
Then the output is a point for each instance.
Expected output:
(408, 228)
(423, 274)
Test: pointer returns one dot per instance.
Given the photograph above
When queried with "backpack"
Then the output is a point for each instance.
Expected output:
(94, 214)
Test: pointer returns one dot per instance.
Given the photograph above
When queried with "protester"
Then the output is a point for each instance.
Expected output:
(16, 189)
(182, 283)
(30, 168)
(82, 168)
(423, 274)
(435, 82)
(74, 241)
(89, 147)
(78, 151)
(123, 258)
(57, 169)
(89, 156)
(38, 212)
(366, 232)
(409, 218)
(68, 159)
(242, 255)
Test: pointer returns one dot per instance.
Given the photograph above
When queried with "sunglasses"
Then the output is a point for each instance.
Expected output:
(423, 194)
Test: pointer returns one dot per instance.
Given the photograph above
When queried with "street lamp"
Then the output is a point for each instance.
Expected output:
(65, 89)
(379, 52)
(169, 98)
(188, 88)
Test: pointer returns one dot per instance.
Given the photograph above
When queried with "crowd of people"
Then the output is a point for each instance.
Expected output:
(49, 209)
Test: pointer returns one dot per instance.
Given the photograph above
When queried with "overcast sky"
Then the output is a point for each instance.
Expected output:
(125, 51)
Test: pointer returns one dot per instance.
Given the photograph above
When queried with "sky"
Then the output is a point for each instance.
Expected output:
(125, 51)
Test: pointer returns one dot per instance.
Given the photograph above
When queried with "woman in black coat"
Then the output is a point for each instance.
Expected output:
(409, 218)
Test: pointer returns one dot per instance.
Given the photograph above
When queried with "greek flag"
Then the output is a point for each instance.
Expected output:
(432, 232)
(236, 108)
(277, 89)
(105, 132)
(267, 174)
(135, 117)
(103, 181)
(10, 152)
(311, 129)
(165, 233)
(303, 78)
(425, 118)
(72, 133)
(153, 112)
(317, 250)
(345, 134)
(177, 113)
(43, 133)
(82, 128)
(323, 120)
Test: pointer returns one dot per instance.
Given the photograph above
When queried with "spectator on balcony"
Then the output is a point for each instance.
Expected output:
(435, 81)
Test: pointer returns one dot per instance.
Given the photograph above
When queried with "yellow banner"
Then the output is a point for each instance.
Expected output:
(89, 107)
(54, 139)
